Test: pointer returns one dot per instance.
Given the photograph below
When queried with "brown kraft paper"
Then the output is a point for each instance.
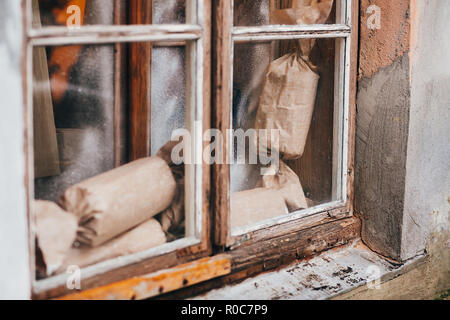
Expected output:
(173, 218)
(302, 12)
(288, 183)
(143, 237)
(118, 200)
(251, 206)
(56, 231)
(287, 104)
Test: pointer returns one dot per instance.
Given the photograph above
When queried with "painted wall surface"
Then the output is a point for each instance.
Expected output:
(14, 265)
(402, 186)
(427, 192)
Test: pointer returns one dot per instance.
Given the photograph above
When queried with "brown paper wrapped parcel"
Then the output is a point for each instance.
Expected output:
(143, 237)
(56, 231)
(290, 87)
(287, 182)
(251, 206)
(118, 200)
(287, 104)
(302, 12)
(172, 219)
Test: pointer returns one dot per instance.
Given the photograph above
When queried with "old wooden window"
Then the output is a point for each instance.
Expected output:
(110, 85)
(272, 55)
(107, 83)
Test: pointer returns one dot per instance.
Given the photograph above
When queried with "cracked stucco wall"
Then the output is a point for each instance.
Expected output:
(383, 107)
(427, 194)
(402, 183)
(381, 48)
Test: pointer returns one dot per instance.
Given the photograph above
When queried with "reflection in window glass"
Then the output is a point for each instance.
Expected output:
(76, 12)
(102, 12)
(76, 100)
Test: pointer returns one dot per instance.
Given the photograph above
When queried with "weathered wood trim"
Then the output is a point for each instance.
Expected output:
(315, 29)
(354, 52)
(140, 64)
(120, 116)
(115, 33)
(274, 32)
(139, 268)
(282, 229)
(118, 38)
(332, 209)
(234, 266)
(291, 36)
(204, 17)
(276, 252)
(222, 82)
(164, 281)
(193, 97)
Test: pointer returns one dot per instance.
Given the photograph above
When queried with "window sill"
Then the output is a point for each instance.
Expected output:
(325, 276)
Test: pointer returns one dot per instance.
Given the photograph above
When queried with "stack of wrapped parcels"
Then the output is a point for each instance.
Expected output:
(124, 211)
(286, 104)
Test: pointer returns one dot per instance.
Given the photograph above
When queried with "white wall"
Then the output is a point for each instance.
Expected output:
(427, 193)
(14, 265)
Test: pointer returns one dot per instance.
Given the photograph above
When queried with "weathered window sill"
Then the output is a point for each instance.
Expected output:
(325, 276)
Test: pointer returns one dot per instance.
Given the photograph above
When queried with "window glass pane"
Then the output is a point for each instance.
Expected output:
(169, 11)
(168, 114)
(76, 12)
(73, 116)
(289, 12)
(283, 121)
(168, 93)
(106, 12)
(89, 207)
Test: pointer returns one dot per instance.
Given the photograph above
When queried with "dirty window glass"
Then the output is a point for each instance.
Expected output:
(284, 12)
(94, 200)
(283, 109)
(107, 12)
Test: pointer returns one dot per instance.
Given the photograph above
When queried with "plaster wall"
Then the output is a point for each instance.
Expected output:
(14, 265)
(383, 107)
(403, 169)
(427, 191)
